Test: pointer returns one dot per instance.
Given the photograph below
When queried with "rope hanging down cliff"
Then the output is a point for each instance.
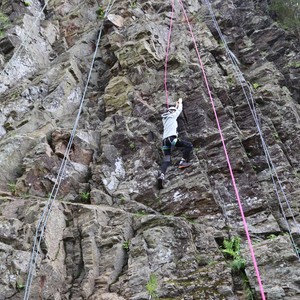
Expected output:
(249, 97)
(167, 55)
(223, 143)
(48, 207)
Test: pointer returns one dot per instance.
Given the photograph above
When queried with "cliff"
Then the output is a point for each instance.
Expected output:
(110, 233)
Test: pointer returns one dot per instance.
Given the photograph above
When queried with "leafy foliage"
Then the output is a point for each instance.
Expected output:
(20, 285)
(4, 23)
(287, 13)
(85, 196)
(256, 85)
(100, 12)
(12, 187)
(126, 245)
(152, 286)
(133, 4)
(232, 248)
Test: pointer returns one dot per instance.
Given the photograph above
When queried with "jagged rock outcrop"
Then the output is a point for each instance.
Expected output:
(112, 235)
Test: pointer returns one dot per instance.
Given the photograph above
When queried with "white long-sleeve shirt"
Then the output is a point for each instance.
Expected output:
(170, 122)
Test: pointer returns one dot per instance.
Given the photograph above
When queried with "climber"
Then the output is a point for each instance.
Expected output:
(171, 140)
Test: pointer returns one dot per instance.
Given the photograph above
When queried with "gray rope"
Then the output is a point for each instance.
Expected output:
(47, 210)
(251, 104)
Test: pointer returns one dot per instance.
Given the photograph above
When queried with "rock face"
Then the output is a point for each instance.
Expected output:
(111, 234)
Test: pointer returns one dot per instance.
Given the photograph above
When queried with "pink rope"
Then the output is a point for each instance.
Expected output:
(228, 160)
(167, 55)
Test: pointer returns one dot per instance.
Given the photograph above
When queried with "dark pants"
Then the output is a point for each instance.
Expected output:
(168, 144)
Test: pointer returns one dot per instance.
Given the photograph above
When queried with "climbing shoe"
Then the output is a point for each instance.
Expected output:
(160, 181)
(183, 164)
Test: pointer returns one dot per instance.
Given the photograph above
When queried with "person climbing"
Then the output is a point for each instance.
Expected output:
(170, 140)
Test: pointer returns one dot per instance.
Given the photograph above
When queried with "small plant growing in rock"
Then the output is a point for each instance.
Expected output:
(4, 23)
(133, 4)
(122, 199)
(152, 286)
(271, 237)
(27, 3)
(231, 80)
(126, 245)
(140, 214)
(232, 248)
(286, 12)
(276, 136)
(256, 85)
(12, 187)
(26, 195)
(100, 12)
(85, 196)
(238, 263)
(132, 146)
(20, 284)
(248, 290)
(294, 64)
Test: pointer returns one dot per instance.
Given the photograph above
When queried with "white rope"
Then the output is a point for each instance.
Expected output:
(47, 210)
(251, 104)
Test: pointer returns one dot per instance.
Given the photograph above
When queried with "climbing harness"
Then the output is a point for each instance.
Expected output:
(222, 140)
(48, 207)
(249, 97)
(172, 141)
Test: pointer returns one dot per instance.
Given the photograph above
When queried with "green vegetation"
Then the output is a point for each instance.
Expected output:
(85, 196)
(287, 13)
(100, 12)
(140, 214)
(294, 64)
(132, 146)
(20, 285)
(152, 286)
(27, 3)
(126, 245)
(276, 136)
(232, 248)
(15, 94)
(231, 80)
(4, 23)
(256, 85)
(272, 237)
(12, 187)
(26, 195)
(122, 199)
(248, 291)
(133, 3)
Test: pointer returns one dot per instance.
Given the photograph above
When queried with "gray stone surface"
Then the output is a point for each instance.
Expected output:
(111, 229)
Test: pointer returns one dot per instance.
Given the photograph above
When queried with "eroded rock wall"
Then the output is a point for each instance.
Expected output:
(111, 229)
